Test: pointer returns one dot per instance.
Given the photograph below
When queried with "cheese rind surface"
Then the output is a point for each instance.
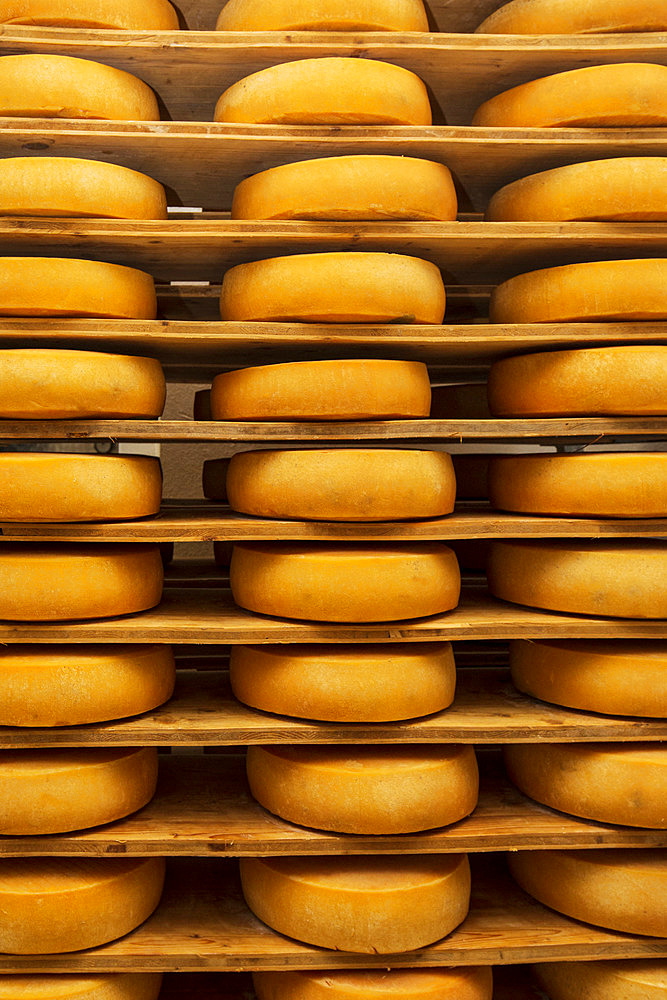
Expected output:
(323, 15)
(471, 983)
(126, 15)
(629, 979)
(65, 986)
(573, 17)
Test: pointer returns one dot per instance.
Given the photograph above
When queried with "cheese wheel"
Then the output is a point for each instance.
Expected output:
(621, 579)
(323, 15)
(214, 478)
(323, 390)
(472, 983)
(37, 384)
(334, 288)
(596, 485)
(332, 91)
(614, 677)
(621, 95)
(60, 286)
(201, 409)
(572, 17)
(624, 890)
(331, 582)
(627, 189)
(608, 782)
(50, 86)
(460, 401)
(79, 685)
(343, 484)
(600, 381)
(112, 986)
(64, 186)
(472, 476)
(359, 683)
(601, 291)
(58, 487)
(55, 791)
(365, 905)
(67, 582)
(371, 789)
(629, 979)
(338, 188)
(127, 15)
(56, 905)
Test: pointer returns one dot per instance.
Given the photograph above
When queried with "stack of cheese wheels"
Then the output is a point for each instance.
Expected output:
(69, 582)
(630, 979)
(342, 484)
(369, 790)
(627, 189)
(569, 17)
(323, 15)
(631, 95)
(61, 286)
(594, 381)
(127, 15)
(624, 890)
(323, 390)
(613, 677)
(343, 287)
(331, 582)
(65, 186)
(77, 487)
(78, 685)
(38, 384)
(338, 188)
(50, 86)
(368, 905)
(623, 783)
(360, 683)
(112, 986)
(332, 91)
(621, 579)
(55, 791)
(471, 983)
(214, 478)
(55, 905)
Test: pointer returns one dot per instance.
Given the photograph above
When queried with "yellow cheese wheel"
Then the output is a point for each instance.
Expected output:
(78, 685)
(112, 986)
(621, 95)
(61, 286)
(323, 15)
(331, 582)
(66, 582)
(596, 381)
(611, 677)
(50, 86)
(459, 400)
(621, 579)
(359, 683)
(624, 890)
(343, 484)
(601, 291)
(214, 478)
(338, 188)
(55, 905)
(629, 979)
(323, 390)
(371, 789)
(596, 485)
(472, 983)
(55, 791)
(65, 186)
(343, 287)
(38, 384)
(627, 189)
(365, 905)
(201, 409)
(332, 91)
(608, 782)
(127, 15)
(60, 487)
(574, 17)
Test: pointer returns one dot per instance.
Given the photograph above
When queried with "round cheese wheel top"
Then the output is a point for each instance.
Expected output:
(37, 384)
(112, 986)
(471, 983)
(569, 17)
(50, 86)
(627, 189)
(615, 677)
(360, 904)
(323, 390)
(341, 683)
(55, 905)
(600, 381)
(330, 582)
(127, 15)
(323, 15)
(342, 484)
(624, 890)
(338, 188)
(332, 91)
(630, 979)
